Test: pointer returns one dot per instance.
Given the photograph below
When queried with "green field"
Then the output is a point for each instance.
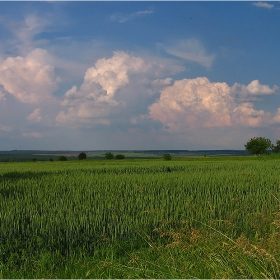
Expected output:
(141, 218)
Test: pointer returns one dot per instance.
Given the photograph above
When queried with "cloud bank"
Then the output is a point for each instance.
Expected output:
(133, 94)
(127, 91)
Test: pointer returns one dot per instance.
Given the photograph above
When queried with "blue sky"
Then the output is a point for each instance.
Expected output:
(138, 75)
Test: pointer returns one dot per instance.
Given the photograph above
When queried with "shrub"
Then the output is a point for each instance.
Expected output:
(62, 158)
(82, 156)
(167, 157)
(119, 157)
(109, 155)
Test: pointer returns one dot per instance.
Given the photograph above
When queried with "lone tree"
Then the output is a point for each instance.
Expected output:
(258, 145)
(109, 155)
(82, 155)
(167, 157)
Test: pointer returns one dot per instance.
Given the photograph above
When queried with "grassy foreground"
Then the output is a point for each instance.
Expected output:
(198, 218)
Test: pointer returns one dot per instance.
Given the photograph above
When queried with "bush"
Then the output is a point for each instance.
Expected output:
(82, 156)
(109, 155)
(119, 157)
(62, 158)
(167, 157)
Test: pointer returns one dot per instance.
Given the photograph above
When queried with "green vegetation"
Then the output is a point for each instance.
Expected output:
(109, 155)
(62, 158)
(196, 217)
(276, 148)
(119, 156)
(258, 146)
(167, 157)
(82, 156)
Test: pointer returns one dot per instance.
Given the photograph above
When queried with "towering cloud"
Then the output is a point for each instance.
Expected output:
(195, 103)
(112, 73)
(94, 102)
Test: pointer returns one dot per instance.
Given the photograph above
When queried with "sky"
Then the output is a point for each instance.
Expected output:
(138, 75)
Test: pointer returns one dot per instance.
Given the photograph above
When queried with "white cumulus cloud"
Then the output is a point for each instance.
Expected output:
(246, 115)
(94, 101)
(196, 103)
(254, 88)
(193, 103)
(29, 79)
(116, 90)
(112, 73)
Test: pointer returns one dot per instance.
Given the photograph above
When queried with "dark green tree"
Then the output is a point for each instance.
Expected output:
(62, 158)
(276, 148)
(167, 157)
(109, 155)
(82, 156)
(258, 146)
(119, 157)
